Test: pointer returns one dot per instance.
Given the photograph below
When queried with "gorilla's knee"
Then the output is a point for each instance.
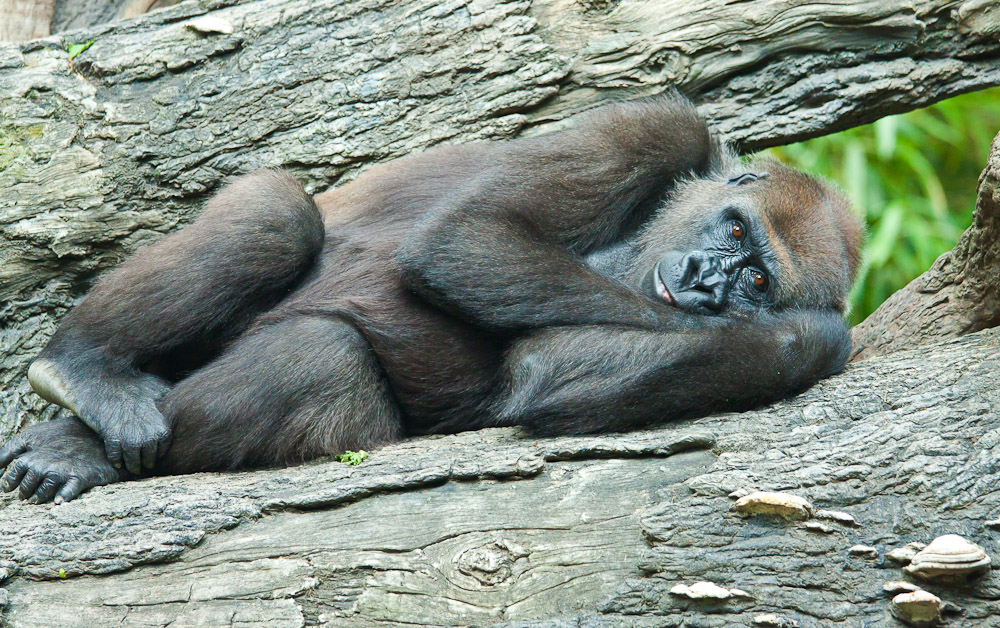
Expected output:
(275, 208)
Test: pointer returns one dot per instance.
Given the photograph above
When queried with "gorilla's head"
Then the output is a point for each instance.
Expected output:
(754, 235)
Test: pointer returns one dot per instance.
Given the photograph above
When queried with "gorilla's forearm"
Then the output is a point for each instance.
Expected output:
(503, 249)
(593, 379)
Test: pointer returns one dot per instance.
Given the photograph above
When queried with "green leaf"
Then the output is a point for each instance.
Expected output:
(76, 49)
(884, 240)
(855, 178)
(885, 136)
(353, 458)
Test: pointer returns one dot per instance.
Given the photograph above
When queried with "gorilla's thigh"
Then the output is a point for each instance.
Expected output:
(292, 390)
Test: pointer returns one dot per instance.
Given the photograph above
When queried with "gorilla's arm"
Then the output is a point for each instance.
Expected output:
(502, 250)
(592, 379)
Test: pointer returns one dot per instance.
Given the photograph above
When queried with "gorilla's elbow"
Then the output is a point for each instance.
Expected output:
(421, 257)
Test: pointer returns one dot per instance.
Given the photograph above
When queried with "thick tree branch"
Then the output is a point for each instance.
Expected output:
(106, 152)
(435, 532)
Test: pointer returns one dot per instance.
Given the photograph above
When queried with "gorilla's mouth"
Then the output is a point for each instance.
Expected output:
(660, 287)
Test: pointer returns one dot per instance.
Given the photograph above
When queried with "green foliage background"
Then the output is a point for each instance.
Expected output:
(914, 178)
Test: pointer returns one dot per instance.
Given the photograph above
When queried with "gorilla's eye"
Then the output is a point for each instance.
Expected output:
(739, 231)
(759, 279)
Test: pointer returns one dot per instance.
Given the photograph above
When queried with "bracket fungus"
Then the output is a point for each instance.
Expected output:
(949, 558)
(706, 591)
(917, 608)
(782, 505)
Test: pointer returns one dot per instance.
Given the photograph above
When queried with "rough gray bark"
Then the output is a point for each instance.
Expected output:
(73, 14)
(105, 153)
(440, 532)
(25, 19)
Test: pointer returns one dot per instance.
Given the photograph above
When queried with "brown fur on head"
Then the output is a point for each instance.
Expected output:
(813, 237)
(813, 222)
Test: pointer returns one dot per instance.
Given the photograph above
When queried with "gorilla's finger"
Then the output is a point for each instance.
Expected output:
(70, 489)
(131, 454)
(14, 448)
(12, 477)
(113, 450)
(149, 455)
(30, 482)
(47, 489)
(163, 444)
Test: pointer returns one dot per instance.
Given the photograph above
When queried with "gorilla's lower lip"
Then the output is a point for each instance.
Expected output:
(661, 289)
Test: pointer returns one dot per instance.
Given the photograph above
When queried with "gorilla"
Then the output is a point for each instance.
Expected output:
(624, 271)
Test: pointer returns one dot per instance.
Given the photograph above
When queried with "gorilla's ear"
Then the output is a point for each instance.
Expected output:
(747, 177)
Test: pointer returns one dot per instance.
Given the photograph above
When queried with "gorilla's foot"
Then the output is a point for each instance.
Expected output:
(119, 406)
(49, 383)
(55, 461)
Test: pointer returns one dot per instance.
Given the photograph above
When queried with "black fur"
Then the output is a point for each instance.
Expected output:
(479, 285)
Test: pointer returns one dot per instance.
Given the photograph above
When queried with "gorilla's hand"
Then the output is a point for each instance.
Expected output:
(56, 460)
(135, 434)
(120, 405)
(813, 343)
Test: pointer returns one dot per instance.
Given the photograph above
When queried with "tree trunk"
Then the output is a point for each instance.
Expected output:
(594, 532)
(73, 14)
(106, 152)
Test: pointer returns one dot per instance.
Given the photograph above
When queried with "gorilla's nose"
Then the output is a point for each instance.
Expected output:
(702, 272)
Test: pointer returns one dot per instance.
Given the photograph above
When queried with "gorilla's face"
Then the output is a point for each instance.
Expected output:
(727, 262)
(750, 240)
(730, 267)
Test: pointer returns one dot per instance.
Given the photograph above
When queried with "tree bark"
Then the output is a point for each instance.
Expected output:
(105, 152)
(490, 527)
(74, 14)
(25, 19)
(108, 151)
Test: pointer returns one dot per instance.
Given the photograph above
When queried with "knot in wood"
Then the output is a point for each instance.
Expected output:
(490, 564)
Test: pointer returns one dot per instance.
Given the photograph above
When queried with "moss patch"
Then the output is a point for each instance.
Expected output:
(14, 153)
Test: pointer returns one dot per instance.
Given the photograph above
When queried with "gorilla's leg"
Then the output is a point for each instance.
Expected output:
(286, 392)
(177, 298)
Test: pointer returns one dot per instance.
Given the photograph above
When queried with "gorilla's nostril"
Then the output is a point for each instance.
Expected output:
(701, 272)
(692, 265)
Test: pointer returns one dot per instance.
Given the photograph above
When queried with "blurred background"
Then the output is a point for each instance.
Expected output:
(913, 176)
